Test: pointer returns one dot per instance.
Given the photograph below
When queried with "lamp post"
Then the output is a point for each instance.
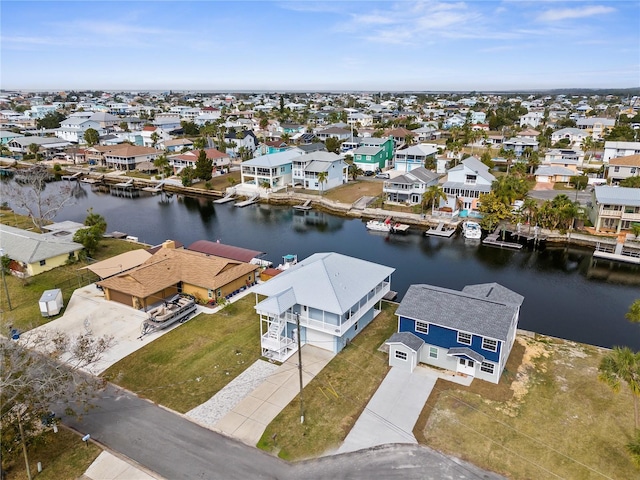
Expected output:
(4, 280)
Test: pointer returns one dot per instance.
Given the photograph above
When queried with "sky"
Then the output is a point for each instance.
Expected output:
(319, 45)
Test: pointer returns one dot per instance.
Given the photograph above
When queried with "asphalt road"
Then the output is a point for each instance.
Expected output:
(175, 448)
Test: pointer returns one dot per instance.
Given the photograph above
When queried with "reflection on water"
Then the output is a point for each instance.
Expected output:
(567, 294)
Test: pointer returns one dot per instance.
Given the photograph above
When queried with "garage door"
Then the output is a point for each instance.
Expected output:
(542, 178)
(120, 297)
(320, 339)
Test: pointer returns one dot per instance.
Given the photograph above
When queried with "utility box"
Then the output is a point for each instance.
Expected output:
(51, 302)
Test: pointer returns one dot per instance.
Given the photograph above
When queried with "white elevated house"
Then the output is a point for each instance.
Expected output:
(466, 182)
(273, 170)
(306, 169)
(414, 156)
(620, 149)
(575, 135)
(614, 208)
(333, 297)
(409, 187)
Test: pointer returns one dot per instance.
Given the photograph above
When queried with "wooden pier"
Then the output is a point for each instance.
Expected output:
(75, 176)
(248, 202)
(441, 231)
(305, 206)
(493, 240)
(229, 197)
(124, 189)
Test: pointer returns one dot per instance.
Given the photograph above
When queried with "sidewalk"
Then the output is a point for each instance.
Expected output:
(109, 467)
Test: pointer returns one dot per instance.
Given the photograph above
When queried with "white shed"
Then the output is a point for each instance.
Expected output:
(51, 302)
(404, 350)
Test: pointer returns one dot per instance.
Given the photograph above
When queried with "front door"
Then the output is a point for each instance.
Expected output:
(466, 366)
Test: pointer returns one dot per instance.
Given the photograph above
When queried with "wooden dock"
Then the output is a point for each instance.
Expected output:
(493, 240)
(75, 176)
(400, 228)
(441, 231)
(305, 206)
(248, 202)
(229, 197)
(620, 252)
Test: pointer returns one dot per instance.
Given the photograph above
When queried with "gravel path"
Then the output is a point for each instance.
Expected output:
(223, 402)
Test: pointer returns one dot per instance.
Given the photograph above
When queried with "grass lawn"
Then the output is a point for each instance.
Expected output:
(187, 366)
(24, 294)
(548, 418)
(353, 190)
(336, 397)
(63, 455)
(220, 182)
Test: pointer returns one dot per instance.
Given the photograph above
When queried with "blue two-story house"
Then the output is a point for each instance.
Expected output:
(469, 332)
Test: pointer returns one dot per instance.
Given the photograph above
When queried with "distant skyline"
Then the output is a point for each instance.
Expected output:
(319, 46)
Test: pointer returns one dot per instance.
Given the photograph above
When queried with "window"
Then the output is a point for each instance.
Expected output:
(219, 293)
(433, 352)
(355, 326)
(489, 344)
(422, 327)
(401, 355)
(487, 367)
(210, 293)
(464, 338)
(43, 263)
(72, 254)
(616, 169)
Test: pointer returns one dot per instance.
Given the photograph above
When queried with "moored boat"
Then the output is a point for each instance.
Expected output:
(471, 230)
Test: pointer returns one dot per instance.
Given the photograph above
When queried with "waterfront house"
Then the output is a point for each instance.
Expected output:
(47, 146)
(33, 253)
(409, 187)
(620, 149)
(273, 170)
(373, 153)
(189, 159)
(469, 332)
(614, 208)
(333, 297)
(623, 167)
(173, 270)
(307, 167)
(466, 182)
(414, 156)
(129, 157)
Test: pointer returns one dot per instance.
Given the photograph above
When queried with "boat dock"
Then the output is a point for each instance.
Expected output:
(229, 197)
(156, 189)
(390, 296)
(125, 189)
(75, 176)
(248, 202)
(621, 252)
(305, 206)
(441, 231)
(493, 240)
(400, 228)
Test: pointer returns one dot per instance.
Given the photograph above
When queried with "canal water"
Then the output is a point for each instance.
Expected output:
(567, 293)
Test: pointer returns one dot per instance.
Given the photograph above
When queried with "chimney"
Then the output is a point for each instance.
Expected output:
(169, 244)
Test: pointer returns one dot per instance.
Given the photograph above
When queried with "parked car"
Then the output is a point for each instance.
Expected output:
(383, 175)
(369, 173)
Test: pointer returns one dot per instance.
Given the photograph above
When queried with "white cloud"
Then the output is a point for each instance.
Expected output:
(558, 14)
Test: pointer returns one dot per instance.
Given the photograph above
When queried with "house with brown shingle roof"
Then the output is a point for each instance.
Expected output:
(170, 271)
(623, 167)
(129, 157)
(189, 159)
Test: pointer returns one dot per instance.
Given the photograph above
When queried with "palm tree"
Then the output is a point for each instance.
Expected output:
(433, 195)
(530, 209)
(322, 179)
(620, 366)
(587, 145)
(355, 171)
(633, 315)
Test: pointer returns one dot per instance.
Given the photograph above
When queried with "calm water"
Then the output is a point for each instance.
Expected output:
(566, 294)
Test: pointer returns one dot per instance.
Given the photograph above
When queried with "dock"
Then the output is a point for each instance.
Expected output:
(229, 197)
(620, 252)
(155, 189)
(125, 189)
(441, 231)
(305, 206)
(493, 240)
(400, 228)
(75, 176)
(390, 295)
(248, 202)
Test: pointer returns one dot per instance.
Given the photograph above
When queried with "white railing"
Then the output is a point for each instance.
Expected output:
(631, 216)
(380, 291)
(611, 213)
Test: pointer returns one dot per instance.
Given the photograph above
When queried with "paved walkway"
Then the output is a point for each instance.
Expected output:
(392, 412)
(250, 417)
(109, 467)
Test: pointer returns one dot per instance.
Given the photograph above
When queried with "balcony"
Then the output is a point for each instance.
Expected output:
(631, 216)
(338, 330)
(611, 213)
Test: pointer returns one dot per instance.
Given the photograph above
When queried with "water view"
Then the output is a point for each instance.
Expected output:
(567, 293)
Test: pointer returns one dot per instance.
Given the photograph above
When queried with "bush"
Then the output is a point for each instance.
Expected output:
(57, 167)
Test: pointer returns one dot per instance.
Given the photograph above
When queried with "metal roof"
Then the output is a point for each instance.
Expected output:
(327, 281)
(618, 195)
(484, 312)
(225, 251)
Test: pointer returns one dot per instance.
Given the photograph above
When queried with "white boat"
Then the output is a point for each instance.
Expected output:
(177, 309)
(380, 225)
(471, 230)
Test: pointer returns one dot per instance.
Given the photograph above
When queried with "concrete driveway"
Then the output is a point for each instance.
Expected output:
(392, 412)
(89, 311)
(248, 420)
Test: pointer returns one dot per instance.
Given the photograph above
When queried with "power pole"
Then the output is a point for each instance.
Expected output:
(300, 366)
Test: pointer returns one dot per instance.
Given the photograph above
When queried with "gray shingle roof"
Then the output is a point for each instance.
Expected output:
(407, 338)
(555, 171)
(467, 352)
(487, 312)
(366, 150)
(29, 247)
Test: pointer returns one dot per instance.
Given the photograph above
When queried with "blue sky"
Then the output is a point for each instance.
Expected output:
(308, 45)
